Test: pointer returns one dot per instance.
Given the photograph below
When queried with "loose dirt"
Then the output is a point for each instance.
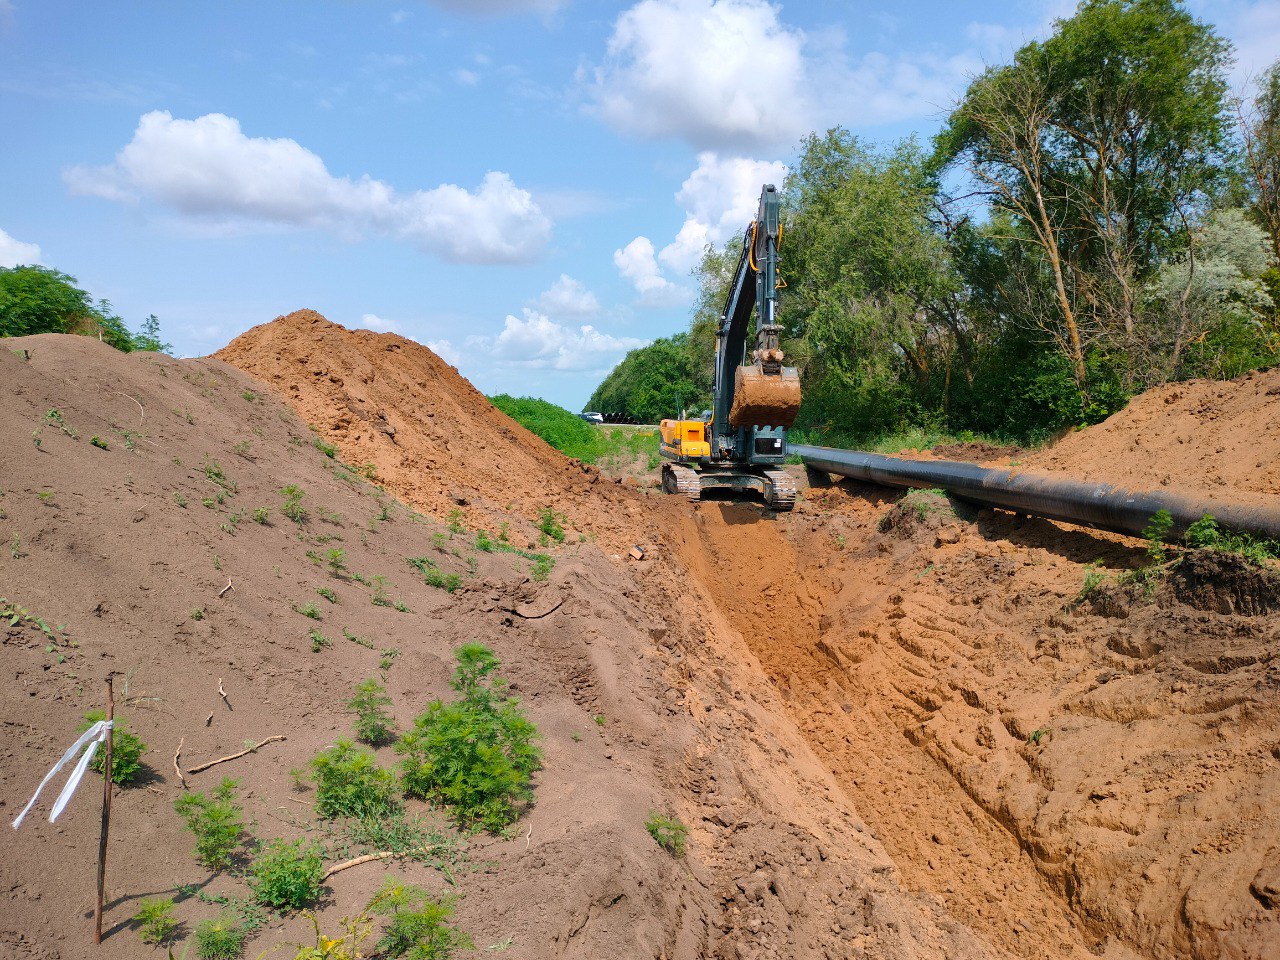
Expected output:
(892, 726)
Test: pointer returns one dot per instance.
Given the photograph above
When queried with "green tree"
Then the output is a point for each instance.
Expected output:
(653, 382)
(36, 299)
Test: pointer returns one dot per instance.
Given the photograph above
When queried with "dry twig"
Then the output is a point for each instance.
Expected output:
(356, 861)
(235, 756)
(223, 694)
(223, 591)
(176, 768)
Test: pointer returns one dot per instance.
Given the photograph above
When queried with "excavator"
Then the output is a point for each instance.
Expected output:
(740, 444)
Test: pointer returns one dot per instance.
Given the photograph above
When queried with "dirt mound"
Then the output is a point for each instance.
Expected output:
(1219, 437)
(435, 440)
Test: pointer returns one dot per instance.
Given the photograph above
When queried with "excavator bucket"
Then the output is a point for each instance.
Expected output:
(765, 400)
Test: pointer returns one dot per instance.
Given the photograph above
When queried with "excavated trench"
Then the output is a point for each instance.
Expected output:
(1067, 778)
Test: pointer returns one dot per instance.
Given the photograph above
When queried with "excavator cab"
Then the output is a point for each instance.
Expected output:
(741, 444)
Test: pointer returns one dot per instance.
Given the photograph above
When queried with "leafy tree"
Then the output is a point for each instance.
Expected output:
(653, 382)
(36, 299)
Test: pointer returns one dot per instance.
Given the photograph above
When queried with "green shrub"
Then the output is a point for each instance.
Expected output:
(292, 506)
(419, 923)
(220, 939)
(433, 575)
(327, 594)
(126, 750)
(552, 524)
(349, 783)
(669, 833)
(217, 822)
(374, 725)
(307, 610)
(483, 542)
(318, 640)
(336, 557)
(155, 920)
(328, 449)
(475, 755)
(286, 875)
(1156, 532)
(1205, 534)
(260, 515)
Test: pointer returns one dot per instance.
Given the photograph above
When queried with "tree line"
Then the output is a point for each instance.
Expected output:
(1096, 217)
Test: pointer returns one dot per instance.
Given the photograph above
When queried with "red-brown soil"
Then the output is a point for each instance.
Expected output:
(892, 730)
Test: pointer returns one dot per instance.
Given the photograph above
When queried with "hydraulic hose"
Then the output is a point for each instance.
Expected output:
(1048, 495)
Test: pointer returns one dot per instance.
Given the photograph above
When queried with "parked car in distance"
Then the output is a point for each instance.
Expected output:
(592, 417)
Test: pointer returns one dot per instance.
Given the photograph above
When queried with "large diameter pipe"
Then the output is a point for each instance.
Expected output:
(1048, 495)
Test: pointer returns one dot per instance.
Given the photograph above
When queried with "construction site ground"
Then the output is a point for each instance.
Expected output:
(893, 726)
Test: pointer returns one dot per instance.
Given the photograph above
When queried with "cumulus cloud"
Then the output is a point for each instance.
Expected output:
(535, 341)
(568, 297)
(208, 168)
(636, 262)
(15, 253)
(731, 75)
(719, 199)
(371, 321)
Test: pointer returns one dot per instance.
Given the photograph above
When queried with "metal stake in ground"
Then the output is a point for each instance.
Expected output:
(106, 814)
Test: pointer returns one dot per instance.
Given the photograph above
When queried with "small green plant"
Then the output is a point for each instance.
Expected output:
(328, 449)
(210, 503)
(217, 821)
(419, 923)
(358, 641)
(336, 557)
(576, 737)
(308, 610)
(286, 875)
(439, 540)
(217, 562)
(374, 724)
(214, 474)
(400, 606)
(197, 613)
(668, 832)
(46, 496)
(542, 565)
(35, 438)
(126, 750)
(155, 920)
(1038, 735)
(433, 575)
(504, 532)
(1205, 534)
(179, 499)
(1156, 533)
(456, 517)
(260, 515)
(1094, 577)
(318, 640)
(600, 719)
(551, 524)
(98, 442)
(841, 542)
(292, 506)
(249, 395)
(384, 512)
(54, 418)
(15, 547)
(475, 755)
(242, 449)
(388, 658)
(349, 783)
(220, 939)
(327, 594)
(483, 543)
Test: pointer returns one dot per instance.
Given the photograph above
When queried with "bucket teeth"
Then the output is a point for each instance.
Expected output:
(765, 400)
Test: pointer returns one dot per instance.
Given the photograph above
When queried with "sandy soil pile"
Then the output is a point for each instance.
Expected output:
(435, 440)
(1209, 435)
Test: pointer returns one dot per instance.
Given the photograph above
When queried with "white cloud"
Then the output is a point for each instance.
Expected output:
(637, 263)
(536, 341)
(569, 298)
(731, 75)
(371, 321)
(208, 168)
(13, 252)
(444, 349)
(1254, 28)
(468, 78)
(719, 198)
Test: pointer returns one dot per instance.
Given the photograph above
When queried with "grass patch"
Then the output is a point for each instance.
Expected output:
(573, 436)
(1205, 534)
(668, 832)
(221, 938)
(433, 575)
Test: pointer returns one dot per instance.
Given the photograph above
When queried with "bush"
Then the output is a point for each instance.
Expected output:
(155, 920)
(374, 725)
(419, 924)
(292, 506)
(1205, 534)
(669, 833)
(349, 783)
(37, 299)
(216, 820)
(552, 524)
(220, 939)
(286, 875)
(126, 751)
(475, 755)
(433, 575)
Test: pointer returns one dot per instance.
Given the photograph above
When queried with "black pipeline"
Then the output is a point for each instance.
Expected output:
(1045, 495)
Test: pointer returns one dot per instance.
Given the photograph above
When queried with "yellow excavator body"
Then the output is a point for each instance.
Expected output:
(685, 439)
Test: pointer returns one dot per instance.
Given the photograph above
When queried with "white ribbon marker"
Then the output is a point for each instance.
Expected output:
(93, 736)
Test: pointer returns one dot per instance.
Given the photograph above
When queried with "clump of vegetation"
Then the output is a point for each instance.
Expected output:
(308, 610)
(98, 442)
(374, 724)
(475, 755)
(669, 833)
(359, 641)
(483, 542)
(221, 938)
(155, 920)
(217, 820)
(292, 506)
(335, 558)
(126, 750)
(328, 449)
(433, 575)
(551, 524)
(1205, 534)
(286, 875)
(327, 594)
(355, 931)
(349, 783)
(456, 517)
(419, 923)
(1156, 533)
(260, 515)
(318, 640)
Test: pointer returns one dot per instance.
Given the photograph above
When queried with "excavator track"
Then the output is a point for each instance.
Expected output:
(682, 480)
(780, 490)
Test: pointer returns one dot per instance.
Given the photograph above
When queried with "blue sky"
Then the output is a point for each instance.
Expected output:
(522, 184)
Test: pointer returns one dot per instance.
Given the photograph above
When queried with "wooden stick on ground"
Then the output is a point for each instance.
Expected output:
(234, 756)
(177, 769)
(356, 861)
(106, 814)
(223, 693)
(223, 591)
